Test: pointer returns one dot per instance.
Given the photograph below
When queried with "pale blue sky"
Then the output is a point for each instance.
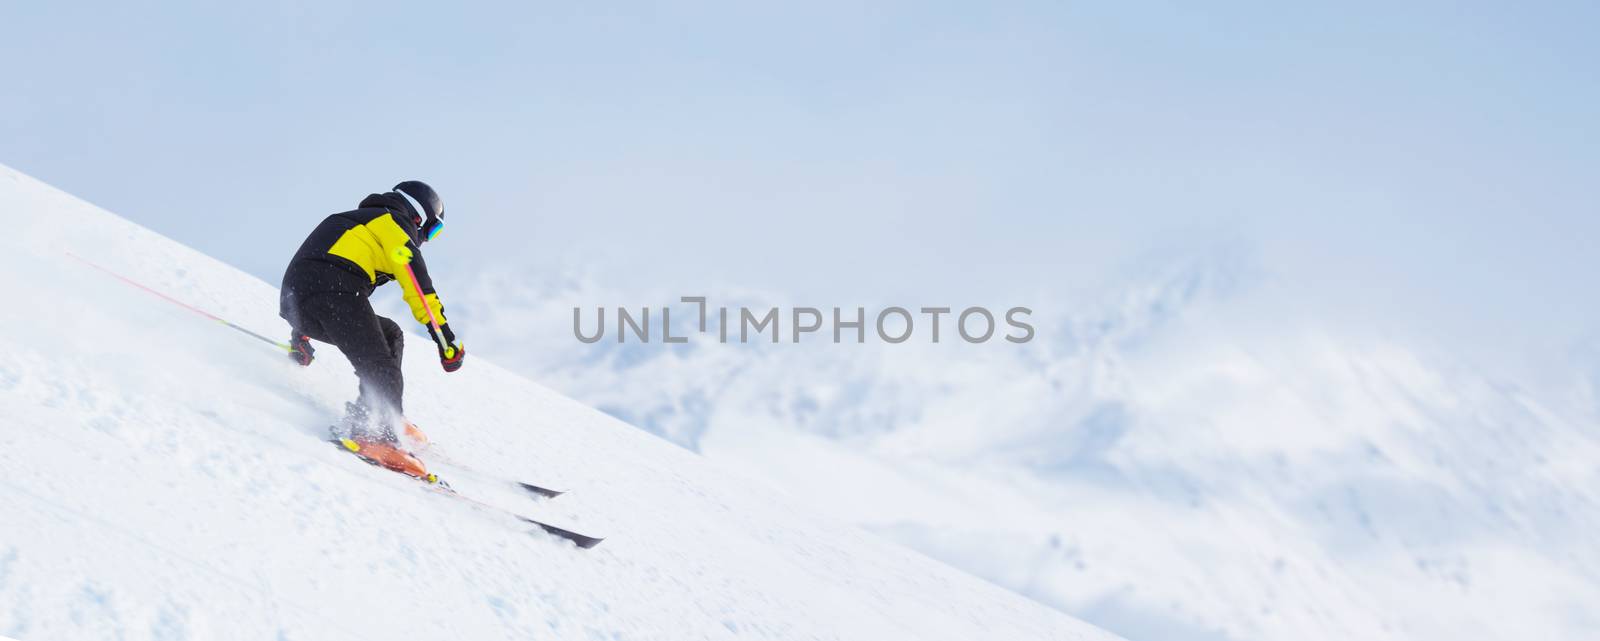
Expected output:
(1436, 159)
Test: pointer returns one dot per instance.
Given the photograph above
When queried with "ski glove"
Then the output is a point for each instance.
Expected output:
(451, 357)
(450, 352)
(300, 348)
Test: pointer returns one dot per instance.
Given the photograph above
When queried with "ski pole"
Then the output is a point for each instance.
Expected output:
(130, 281)
(449, 350)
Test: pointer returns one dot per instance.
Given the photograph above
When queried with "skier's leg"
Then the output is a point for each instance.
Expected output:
(394, 341)
(310, 327)
(394, 336)
(349, 323)
(301, 330)
(397, 345)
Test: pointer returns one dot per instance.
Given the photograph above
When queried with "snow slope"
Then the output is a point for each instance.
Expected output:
(1190, 458)
(165, 478)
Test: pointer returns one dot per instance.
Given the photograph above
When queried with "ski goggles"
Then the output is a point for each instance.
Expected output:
(434, 228)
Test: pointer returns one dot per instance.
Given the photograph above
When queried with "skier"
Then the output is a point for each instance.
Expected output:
(325, 297)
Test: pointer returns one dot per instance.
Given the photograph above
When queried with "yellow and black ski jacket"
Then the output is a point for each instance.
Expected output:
(354, 252)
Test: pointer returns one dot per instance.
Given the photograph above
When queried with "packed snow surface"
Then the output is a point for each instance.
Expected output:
(166, 478)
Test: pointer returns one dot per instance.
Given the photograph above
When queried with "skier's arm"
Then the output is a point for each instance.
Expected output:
(451, 353)
(427, 309)
(402, 250)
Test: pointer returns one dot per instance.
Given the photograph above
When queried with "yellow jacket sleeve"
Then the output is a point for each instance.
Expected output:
(405, 262)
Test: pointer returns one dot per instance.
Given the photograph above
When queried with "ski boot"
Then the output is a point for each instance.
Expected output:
(375, 443)
(413, 434)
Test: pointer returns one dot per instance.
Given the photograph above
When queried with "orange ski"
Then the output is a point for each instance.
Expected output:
(399, 460)
(391, 457)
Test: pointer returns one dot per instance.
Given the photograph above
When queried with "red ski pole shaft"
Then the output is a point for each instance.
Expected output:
(433, 321)
(174, 301)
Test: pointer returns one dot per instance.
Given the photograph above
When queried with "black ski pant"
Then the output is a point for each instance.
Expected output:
(372, 343)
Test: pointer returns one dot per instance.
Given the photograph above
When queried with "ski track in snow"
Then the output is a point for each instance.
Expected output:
(166, 478)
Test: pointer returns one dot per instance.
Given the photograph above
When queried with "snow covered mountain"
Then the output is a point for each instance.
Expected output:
(1190, 458)
(166, 478)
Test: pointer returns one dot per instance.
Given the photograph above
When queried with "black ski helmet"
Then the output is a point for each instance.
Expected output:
(428, 207)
